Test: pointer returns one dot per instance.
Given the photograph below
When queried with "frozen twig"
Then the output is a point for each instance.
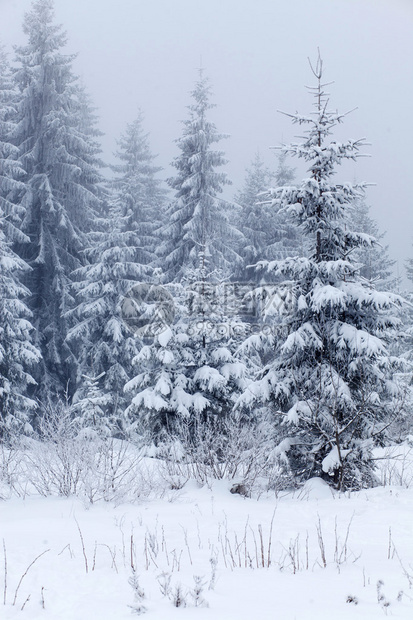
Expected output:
(25, 573)
(83, 546)
(321, 543)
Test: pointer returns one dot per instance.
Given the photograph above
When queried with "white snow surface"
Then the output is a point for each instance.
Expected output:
(87, 552)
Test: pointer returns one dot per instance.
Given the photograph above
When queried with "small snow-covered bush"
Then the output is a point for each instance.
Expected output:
(223, 448)
(139, 595)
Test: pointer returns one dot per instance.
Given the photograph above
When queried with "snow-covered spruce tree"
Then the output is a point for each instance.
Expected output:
(257, 180)
(138, 190)
(12, 187)
(266, 235)
(198, 220)
(330, 382)
(89, 413)
(376, 265)
(61, 165)
(189, 372)
(18, 356)
(284, 174)
(250, 220)
(119, 256)
(409, 269)
(98, 335)
(190, 375)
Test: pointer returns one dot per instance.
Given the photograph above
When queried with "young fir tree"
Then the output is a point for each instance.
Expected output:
(330, 382)
(376, 266)
(198, 220)
(409, 269)
(98, 335)
(258, 179)
(284, 175)
(61, 165)
(119, 256)
(190, 375)
(250, 217)
(138, 190)
(266, 234)
(89, 413)
(18, 356)
(189, 372)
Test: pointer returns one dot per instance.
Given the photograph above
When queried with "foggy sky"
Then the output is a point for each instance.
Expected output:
(145, 53)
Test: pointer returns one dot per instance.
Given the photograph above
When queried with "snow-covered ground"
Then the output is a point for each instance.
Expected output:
(310, 555)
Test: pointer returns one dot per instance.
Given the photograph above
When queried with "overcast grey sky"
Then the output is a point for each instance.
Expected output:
(144, 53)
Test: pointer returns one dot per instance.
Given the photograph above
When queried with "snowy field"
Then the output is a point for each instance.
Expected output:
(205, 553)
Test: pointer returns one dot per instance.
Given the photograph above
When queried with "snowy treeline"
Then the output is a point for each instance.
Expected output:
(213, 329)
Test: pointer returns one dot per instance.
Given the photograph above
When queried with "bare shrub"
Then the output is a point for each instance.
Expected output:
(115, 473)
(58, 460)
(222, 448)
(395, 465)
(63, 459)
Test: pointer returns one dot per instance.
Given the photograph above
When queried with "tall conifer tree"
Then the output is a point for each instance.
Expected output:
(190, 371)
(330, 383)
(198, 219)
(61, 166)
(120, 255)
(18, 356)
